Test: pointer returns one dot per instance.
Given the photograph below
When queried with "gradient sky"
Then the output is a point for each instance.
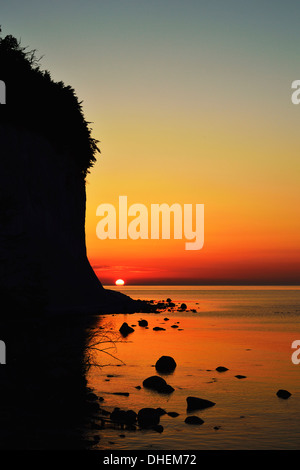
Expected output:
(192, 104)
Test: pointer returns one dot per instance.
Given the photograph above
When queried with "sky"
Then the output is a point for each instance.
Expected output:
(191, 103)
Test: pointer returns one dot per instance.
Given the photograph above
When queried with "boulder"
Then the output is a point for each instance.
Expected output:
(193, 420)
(165, 364)
(283, 394)
(143, 323)
(221, 369)
(194, 403)
(158, 384)
(126, 329)
(128, 417)
(148, 417)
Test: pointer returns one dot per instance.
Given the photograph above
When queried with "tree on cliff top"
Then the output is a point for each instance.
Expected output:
(36, 103)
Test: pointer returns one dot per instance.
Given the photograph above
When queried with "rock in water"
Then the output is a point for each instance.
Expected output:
(158, 384)
(126, 329)
(143, 323)
(193, 420)
(194, 403)
(148, 417)
(283, 394)
(165, 364)
(221, 369)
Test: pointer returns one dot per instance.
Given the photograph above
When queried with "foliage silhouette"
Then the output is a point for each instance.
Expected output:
(39, 104)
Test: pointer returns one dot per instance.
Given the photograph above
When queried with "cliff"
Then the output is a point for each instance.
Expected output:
(46, 150)
(42, 230)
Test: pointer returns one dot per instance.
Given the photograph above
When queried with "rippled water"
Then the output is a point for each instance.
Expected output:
(247, 330)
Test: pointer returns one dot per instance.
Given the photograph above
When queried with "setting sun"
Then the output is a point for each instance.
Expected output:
(119, 282)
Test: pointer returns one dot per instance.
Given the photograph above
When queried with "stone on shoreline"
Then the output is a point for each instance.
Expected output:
(158, 384)
(221, 369)
(283, 394)
(148, 417)
(126, 329)
(194, 403)
(165, 364)
(193, 420)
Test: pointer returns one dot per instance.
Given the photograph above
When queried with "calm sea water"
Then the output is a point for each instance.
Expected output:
(249, 330)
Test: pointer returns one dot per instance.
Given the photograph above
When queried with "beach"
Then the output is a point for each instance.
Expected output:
(249, 331)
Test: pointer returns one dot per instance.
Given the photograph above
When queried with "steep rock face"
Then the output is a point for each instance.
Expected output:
(42, 226)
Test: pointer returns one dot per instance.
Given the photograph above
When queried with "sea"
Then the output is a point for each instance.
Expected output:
(248, 330)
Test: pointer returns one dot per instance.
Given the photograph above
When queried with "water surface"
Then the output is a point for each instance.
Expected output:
(246, 329)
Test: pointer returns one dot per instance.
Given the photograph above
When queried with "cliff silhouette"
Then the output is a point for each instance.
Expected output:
(46, 152)
(49, 293)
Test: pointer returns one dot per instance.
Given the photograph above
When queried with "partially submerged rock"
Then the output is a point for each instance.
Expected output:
(125, 329)
(128, 417)
(165, 364)
(195, 403)
(221, 369)
(193, 420)
(283, 394)
(148, 417)
(158, 384)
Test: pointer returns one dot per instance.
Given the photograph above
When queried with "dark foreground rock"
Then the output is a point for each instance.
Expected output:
(128, 417)
(148, 417)
(221, 369)
(158, 384)
(165, 364)
(194, 403)
(283, 394)
(125, 329)
(193, 420)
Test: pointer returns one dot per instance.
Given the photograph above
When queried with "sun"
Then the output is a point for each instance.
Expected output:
(120, 282)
